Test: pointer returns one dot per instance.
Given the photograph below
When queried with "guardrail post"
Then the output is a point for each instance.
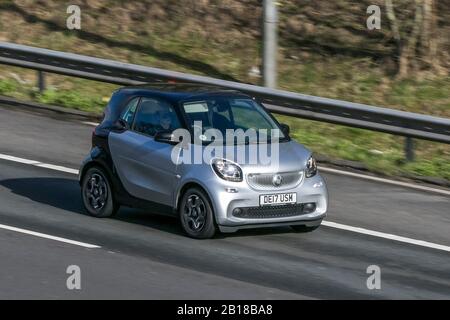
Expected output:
(409, 149)
(41, 81)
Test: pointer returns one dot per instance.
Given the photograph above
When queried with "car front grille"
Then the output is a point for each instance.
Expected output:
(279, 211)
(265, 181)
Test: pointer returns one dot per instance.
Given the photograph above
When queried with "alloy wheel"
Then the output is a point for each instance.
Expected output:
(96, 191)
(194, 213)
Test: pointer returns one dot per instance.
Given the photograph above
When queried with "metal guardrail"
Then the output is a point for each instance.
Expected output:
(410, 125)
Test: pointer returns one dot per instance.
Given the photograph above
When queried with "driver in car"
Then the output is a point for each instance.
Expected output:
(165, 120)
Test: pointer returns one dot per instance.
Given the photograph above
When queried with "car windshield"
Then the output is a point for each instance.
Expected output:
(222, 114)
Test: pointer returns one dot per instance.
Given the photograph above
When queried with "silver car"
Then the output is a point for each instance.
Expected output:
(214, 158)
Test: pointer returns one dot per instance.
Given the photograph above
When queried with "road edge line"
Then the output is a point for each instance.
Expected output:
(384, 180)
(388, 236)
(50, 237)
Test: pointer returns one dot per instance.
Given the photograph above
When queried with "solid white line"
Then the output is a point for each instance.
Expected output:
(57, 168)
(326, 223)
(46, 236)
(388, 181)
(90, 123)
(16, 159)
(38, 164)
(386, 236)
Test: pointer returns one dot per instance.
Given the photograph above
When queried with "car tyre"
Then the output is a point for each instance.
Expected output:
(96, 192)
(197, 215)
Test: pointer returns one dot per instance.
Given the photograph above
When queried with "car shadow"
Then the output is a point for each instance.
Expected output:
(65, 194)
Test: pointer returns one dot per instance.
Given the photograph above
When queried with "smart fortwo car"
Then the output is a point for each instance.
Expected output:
(140, 159)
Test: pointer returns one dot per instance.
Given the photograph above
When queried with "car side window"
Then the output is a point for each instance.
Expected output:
(153, 116)
(130, 111)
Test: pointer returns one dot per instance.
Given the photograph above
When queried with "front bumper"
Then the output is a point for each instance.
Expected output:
(311, 190)
(309, 223)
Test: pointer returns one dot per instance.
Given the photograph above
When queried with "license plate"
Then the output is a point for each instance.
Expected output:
(278, 198)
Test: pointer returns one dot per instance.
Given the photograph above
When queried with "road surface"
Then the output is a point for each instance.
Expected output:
(141, 255)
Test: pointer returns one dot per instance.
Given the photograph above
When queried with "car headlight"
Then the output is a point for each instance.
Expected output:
(227, 170)
(311, 167)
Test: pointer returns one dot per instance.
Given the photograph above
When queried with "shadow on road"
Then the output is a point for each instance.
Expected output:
(65, 194)
(56, 192)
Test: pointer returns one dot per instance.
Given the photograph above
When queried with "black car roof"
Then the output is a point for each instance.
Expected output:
(179, 91)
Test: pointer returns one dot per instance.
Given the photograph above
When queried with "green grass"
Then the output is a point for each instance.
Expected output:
(66, 92)
(7, 86)
(359, 80)
(72, 99)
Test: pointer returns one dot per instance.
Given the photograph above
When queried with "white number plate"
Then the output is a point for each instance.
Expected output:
(278, 198)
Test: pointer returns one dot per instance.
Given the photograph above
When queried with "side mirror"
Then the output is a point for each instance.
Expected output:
(166, 137)
(285, 128)
(121, 125)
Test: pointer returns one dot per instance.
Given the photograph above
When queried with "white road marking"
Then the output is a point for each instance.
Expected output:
(38, 164)
(47, 236)
(16, 159)
(325, 223)
(386, 236)
(94, 124)
(57, 168)
(388, 181)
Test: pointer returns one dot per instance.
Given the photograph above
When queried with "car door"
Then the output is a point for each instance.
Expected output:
(144, 165)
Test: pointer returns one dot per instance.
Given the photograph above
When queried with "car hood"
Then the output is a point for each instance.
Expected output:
(261, 158)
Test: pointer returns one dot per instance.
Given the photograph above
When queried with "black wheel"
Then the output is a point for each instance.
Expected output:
(304, 229)
(196, 214)
(97, 194)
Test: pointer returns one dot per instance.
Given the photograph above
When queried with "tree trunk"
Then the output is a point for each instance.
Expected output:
(429, 35)
(403, 64)
(407, 47)
(402, 59)
(420, 47)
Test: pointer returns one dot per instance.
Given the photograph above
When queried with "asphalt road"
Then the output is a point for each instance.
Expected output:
(146, 256)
